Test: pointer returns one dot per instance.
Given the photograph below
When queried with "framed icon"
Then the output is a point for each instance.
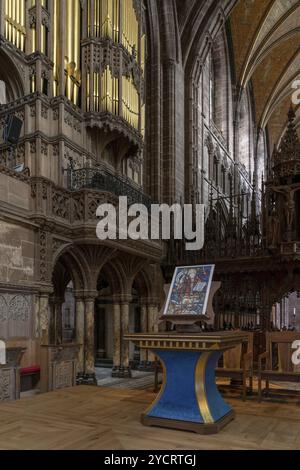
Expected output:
(189, 291)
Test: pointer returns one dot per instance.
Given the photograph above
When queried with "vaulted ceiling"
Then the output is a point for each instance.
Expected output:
(266, 42)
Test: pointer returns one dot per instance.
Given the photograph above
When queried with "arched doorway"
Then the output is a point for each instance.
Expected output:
(104, 331)
(104, 324)
(68, 314)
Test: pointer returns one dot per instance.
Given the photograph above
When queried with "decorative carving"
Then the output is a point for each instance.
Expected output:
(18, 309)
(60, 204)
(55, 114)
(43, 255)
(33, 147)
(44, 148)
(5, 377)
(64, 375)
(78, 208)
(44, 319)
(3, 309)
(32, 111)
(44, 112)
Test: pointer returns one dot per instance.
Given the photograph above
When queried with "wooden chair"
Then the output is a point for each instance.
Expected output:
(276, 363)
(238, 365)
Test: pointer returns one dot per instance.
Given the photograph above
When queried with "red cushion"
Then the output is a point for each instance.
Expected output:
(30, 370)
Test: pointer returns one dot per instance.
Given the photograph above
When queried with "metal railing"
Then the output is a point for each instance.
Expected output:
(103, 180)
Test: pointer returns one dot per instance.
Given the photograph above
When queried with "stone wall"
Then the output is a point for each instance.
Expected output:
(16, 253)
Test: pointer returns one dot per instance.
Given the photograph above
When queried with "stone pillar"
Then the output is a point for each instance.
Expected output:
(153, 312)
(125, 367)
(80, 336)
(58, 321)
(55, 325)
(100, 332)
(117, 340)
(153, 318)
(2, 18)
(44, 317)
(144, 329)
(89, 359)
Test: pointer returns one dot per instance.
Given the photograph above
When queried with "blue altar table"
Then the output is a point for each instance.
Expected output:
(189, 398)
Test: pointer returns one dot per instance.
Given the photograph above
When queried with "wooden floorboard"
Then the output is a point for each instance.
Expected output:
(105, 418)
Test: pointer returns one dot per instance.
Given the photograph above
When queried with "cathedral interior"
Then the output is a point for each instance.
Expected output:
(182, 102)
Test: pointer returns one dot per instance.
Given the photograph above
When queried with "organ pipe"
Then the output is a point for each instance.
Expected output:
(107, 90)
(15, 31)
(72, 34)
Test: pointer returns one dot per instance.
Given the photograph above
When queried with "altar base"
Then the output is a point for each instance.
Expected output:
(204, 429)
(189, 398)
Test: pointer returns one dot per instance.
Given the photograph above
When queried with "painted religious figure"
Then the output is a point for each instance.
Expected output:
(189, 290)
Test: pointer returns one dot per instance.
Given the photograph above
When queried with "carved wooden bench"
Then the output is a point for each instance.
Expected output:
(276, 363)
(238, 365)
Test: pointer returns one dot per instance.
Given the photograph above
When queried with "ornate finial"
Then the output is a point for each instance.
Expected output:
(291, 114)
(286, 159)
(254, 181)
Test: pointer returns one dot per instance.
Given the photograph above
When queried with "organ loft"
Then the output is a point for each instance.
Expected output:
(173, 102)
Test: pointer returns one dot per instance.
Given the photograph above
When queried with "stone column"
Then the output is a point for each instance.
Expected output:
(152, 325)
(55, 322)
(44, 317)
(117, 340)
(125, 368)
(58, 321)
(89, 359)
(144, 329)
(153, 318)
(2, 18)
(80, 336)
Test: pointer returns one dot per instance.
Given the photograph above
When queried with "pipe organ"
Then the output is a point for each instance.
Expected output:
(119, 29)
(93, 53)
(66, 49)
(90, 52)
(15, 30)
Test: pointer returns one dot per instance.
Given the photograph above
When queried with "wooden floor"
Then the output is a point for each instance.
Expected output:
(105, 418)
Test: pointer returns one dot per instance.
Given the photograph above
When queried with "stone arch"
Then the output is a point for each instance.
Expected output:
(144, 284)
(72, 265)
(222, 85)
(10, 74)
(67, 278)
(114, 277)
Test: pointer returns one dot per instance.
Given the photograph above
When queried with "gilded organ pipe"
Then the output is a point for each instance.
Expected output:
(106, 89)
(72, 35)
(15, 31)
